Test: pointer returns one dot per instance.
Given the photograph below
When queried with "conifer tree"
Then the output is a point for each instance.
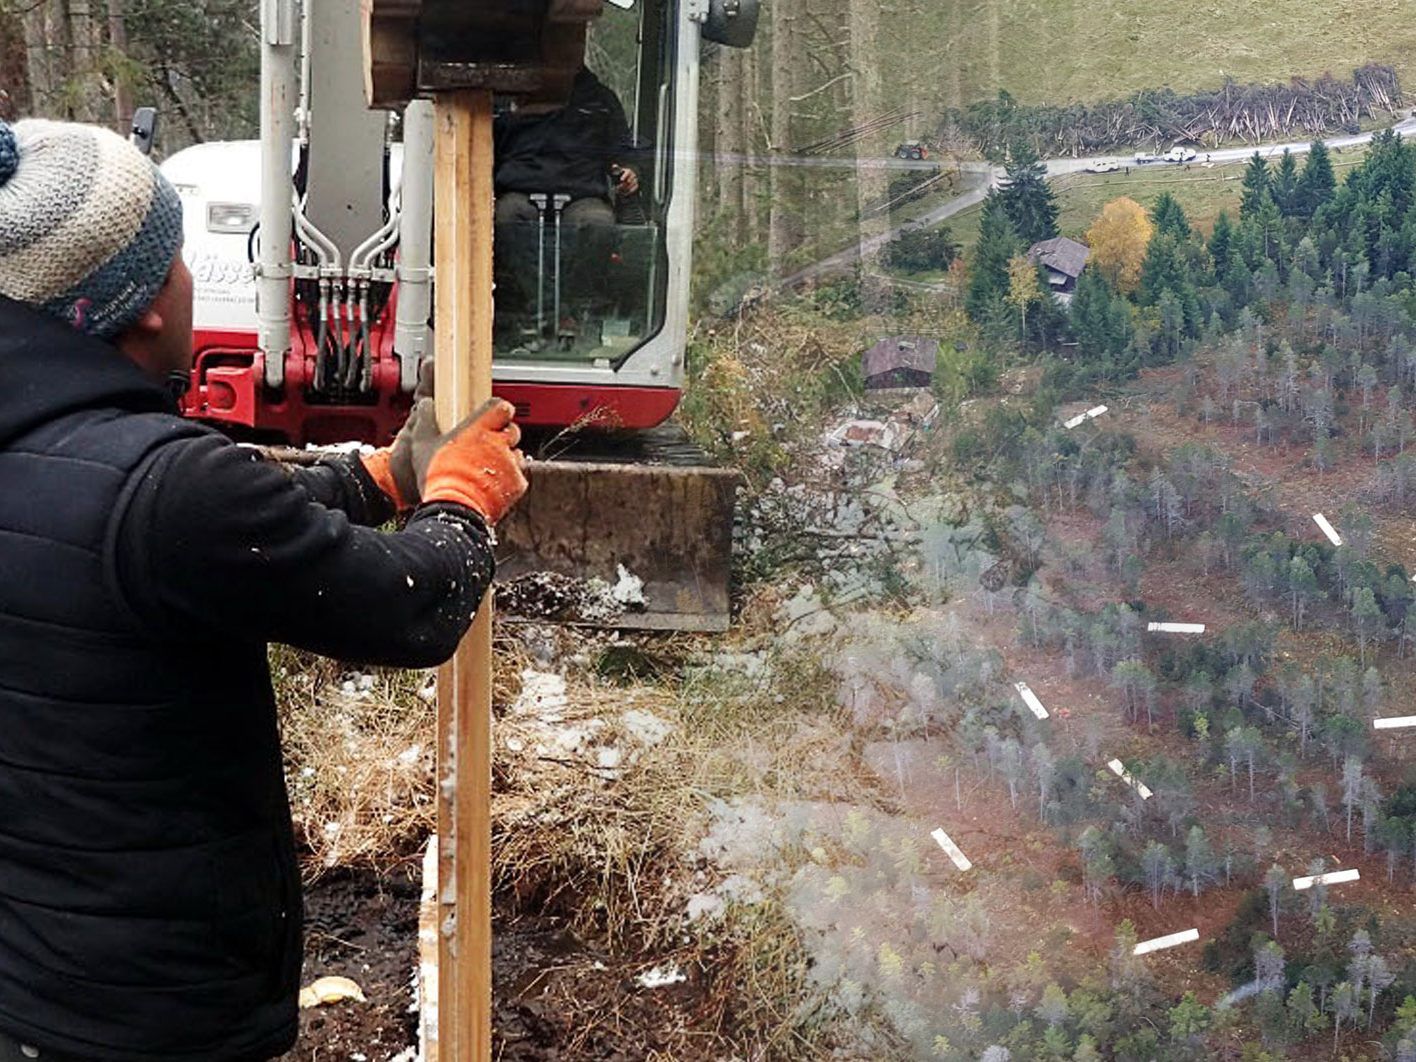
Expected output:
(1199, 859)
(1027, 198)
(1262, 230)
(1188, 1020)
(1317, 185)
(1284, 185)
(997, 245)
(1256, 186)
(1164, 270)
(1275, 881)
(1101, 320)
(1303, 1012)
(1221, 243)
(1168, 216)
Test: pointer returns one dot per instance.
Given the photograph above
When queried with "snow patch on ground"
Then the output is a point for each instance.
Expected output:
(645, 727)
(713, 904)
(661, 977)
(629, 591)
(543, 695)
(805, 616)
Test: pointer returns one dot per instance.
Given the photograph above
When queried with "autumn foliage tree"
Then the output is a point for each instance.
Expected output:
(1119, 240)
(1023, 287)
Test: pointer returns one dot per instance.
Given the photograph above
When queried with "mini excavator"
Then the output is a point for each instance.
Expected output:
(312, 255)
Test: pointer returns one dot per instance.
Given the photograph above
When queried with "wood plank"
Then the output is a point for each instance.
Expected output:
(463, 250)
(428, 955)
(1171, 940)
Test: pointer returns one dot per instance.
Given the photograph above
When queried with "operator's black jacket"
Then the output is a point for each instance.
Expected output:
(567, 152)
(149, 896)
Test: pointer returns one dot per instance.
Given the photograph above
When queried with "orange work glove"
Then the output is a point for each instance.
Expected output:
(476, 464)
(379, 466)
(392, 467)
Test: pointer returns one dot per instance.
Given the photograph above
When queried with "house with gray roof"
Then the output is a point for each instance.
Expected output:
(1063, 261)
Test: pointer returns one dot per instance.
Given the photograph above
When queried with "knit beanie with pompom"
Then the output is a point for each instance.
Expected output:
(89, 228)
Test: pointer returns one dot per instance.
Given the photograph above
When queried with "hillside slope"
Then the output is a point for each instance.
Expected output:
(951, 52)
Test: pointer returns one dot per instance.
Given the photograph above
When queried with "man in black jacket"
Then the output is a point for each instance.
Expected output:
(578, 150)
(149, 892)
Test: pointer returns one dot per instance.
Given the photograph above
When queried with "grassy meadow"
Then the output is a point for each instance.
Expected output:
(1059, 51)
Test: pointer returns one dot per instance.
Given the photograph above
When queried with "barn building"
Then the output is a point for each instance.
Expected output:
(902, 361)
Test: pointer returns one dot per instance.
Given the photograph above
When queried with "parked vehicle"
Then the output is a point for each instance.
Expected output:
(1178, 153)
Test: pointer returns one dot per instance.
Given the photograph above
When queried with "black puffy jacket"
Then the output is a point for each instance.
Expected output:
(149, 896)
(568, 151)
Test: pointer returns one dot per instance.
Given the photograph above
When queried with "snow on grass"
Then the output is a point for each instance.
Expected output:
(661, 977)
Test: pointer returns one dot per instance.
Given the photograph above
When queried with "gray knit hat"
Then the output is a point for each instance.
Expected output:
(89, 228)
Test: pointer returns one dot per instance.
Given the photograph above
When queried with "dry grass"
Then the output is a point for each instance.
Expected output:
(609, 846)
(593, 844)
(359, 753)
(360, 750)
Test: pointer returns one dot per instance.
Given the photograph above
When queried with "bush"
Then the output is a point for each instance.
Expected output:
(917, 250)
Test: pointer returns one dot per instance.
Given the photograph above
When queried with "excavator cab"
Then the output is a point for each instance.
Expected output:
(588, 286)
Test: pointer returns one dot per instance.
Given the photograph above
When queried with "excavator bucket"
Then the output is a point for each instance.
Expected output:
(643, 546)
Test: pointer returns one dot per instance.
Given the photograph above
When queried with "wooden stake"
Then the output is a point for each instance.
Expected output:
(463, 250)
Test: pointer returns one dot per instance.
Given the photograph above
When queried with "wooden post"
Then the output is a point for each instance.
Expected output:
(464, 208)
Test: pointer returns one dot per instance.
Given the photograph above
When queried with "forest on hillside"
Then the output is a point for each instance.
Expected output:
(1257, 374)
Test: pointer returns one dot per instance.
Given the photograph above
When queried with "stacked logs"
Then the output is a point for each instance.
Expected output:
(1230, 114)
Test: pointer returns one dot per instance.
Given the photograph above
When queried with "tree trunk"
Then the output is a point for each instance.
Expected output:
(727, 139)
(752, 145)
(14, 68)
(118, 47)
(782, 214)
(60, 34)
(871, 184)
(90, 48)
(42, 64)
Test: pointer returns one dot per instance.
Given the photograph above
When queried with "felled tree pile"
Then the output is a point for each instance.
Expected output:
(1233, 113)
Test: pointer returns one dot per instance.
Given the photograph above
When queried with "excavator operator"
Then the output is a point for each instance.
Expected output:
(578, 150)
(149, 892)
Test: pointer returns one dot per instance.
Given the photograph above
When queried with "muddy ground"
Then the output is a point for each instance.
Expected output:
(363, 925)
